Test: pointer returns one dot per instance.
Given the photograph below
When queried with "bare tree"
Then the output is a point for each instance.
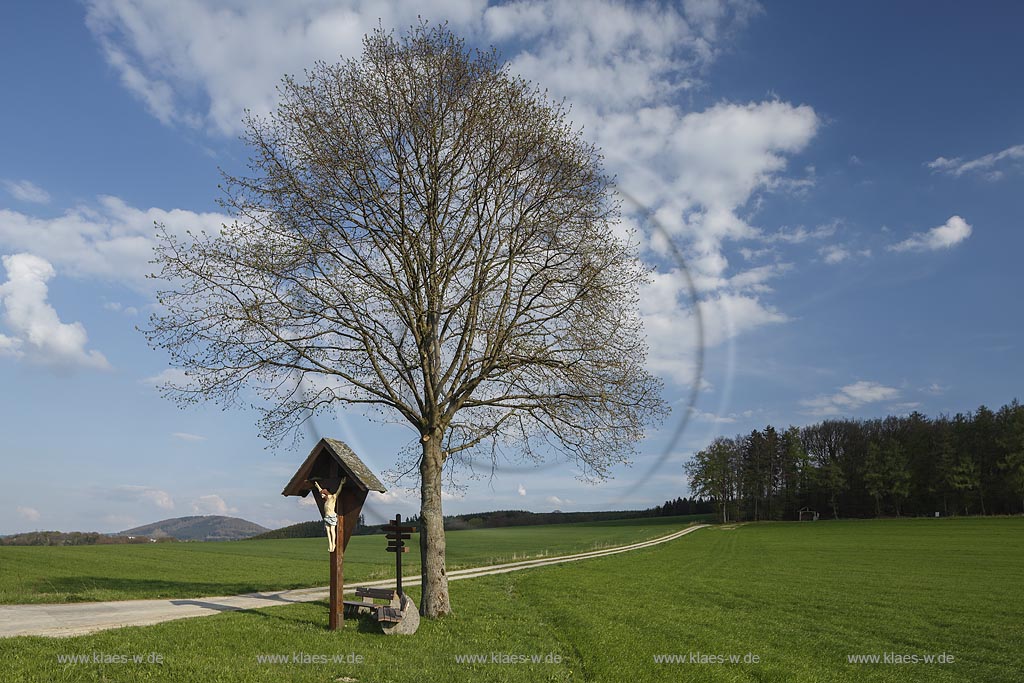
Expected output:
(423, 234)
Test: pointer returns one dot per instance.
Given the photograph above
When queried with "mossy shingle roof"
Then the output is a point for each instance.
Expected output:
(355, 468)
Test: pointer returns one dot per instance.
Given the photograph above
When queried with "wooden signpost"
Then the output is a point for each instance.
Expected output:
(397, 535)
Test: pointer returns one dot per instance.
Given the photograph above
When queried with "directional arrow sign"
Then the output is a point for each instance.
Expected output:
(403, 549)
(398, 536)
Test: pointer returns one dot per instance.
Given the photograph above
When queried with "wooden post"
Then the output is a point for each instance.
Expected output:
(350, 503)
(397, 535)
(398, 563)
(336, 620)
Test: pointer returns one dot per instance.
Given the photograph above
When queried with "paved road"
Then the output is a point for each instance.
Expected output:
(80, 618)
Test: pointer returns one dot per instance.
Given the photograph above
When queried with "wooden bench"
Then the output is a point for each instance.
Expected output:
(390, 613)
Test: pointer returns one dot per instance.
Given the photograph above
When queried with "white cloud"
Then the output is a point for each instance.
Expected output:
(950, 233)
(555, 500)
(521, 490)
(986, 165)
(729, 315)
(622, 67)
(612, 54)
(31, 514)
(702, 416)
(697, 170)
(755, 278)
(9, 346)
(211, 504)
(26, 191)
(672, 328)
(185, 436)
(935, 389)
(200, 64)
(171, 376)
(109, 240)
(38, 333)
(749, 254)
(118, 307)
(161, 499)
(396, 496)
(800, 234)
(132, 493)
(849, 398)
(834, 253)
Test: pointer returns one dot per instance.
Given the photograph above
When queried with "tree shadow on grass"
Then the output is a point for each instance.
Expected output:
(74, 589)
(94, 588)
(363, 623)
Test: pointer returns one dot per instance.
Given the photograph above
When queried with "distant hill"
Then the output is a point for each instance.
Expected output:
(199, 528)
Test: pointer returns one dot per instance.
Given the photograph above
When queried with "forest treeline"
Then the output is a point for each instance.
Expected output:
(909, 465)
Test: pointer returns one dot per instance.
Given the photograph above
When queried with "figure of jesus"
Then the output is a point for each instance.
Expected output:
(330, 513)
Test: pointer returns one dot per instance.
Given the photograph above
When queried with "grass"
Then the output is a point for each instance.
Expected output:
(799, 596)
(188, 570)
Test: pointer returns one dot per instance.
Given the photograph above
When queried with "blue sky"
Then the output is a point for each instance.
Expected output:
(842, 179)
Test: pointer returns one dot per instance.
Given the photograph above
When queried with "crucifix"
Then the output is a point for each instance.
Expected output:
(341, 481)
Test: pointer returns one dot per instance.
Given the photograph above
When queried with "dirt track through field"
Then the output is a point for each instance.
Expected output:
(81, 618)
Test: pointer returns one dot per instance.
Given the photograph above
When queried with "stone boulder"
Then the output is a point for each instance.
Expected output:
(410, 620)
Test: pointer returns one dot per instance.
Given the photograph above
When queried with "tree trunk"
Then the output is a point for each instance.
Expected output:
(434, 601)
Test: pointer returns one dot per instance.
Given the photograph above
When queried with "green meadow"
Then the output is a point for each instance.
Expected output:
(800, 598)
(188, 570)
